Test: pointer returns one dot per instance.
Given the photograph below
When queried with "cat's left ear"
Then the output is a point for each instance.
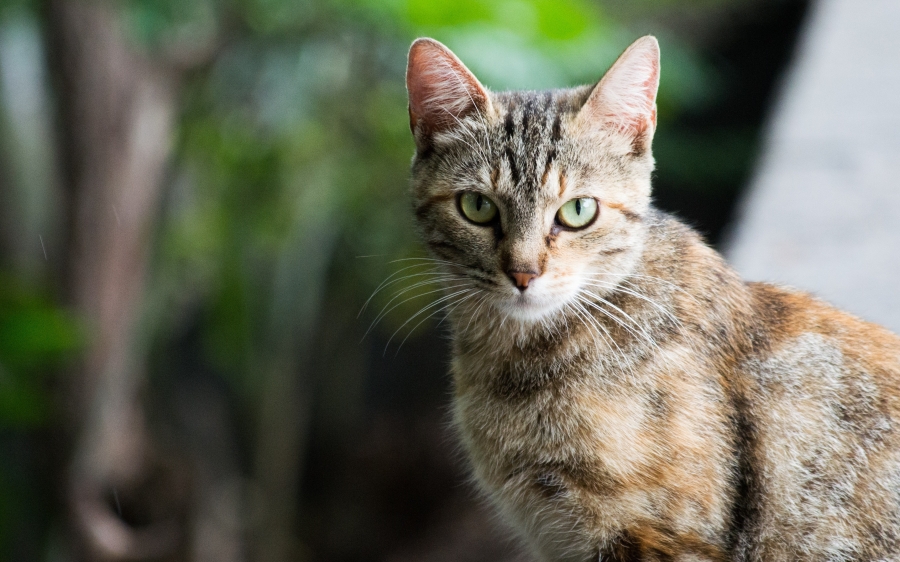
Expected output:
(442, 91)
(625, 98)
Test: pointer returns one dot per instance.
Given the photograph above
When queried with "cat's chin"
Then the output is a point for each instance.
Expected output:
(529, 308)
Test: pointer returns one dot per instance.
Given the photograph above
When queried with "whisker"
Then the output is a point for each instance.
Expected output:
(503, 321)
(593, 323)
(634, 322)
(629, 369)
(481, 301)
(646, 336)
(424, 259)
(582, 313)
(627, 277)
(387, 282)
(385, 311)
(429, 281)
(423, 309)
(619, 288)
(477, 292)
(641, 335)
(455, 306)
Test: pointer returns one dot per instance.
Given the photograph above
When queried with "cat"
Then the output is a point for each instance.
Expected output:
(620, 392)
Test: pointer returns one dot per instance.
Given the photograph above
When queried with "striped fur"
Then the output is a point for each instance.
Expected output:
(639, 401)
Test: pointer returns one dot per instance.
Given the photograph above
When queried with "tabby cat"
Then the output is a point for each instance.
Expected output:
(621, 393)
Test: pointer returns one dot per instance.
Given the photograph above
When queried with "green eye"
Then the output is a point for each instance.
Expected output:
(577, 213)
(477, 208)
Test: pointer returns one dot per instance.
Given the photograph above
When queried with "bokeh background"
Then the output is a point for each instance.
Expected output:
(197, 199)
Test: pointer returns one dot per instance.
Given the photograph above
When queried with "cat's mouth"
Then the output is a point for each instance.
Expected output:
(531, 305)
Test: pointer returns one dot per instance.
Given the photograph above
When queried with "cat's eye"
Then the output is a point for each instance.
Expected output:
(578, 213)
(477, 208)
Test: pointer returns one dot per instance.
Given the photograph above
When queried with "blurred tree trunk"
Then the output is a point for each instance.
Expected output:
(115, 121)
(286, 400)
(127, 499)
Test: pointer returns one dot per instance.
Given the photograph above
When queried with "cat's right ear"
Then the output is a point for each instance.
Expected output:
(442, 91)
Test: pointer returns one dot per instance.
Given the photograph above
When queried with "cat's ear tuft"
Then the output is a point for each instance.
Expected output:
(625, 98)
(442, 91)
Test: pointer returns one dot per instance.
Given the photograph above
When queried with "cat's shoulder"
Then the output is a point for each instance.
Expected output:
(679, 253)
(670, 233)
(779, 314)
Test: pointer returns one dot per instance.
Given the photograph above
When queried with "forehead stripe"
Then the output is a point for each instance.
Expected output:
(556, 130)
(513, 169)
(551, 156)
(526, 115)
(510, 125)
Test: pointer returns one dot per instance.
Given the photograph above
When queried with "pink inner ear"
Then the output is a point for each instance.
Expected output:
(626, 96)
(441, 89)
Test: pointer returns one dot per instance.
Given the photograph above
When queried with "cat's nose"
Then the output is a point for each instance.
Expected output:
(522, 278)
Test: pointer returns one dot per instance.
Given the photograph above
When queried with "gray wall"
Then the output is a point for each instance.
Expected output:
(823, 212)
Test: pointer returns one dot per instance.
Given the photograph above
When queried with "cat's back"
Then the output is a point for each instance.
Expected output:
(756, 323)
(819, 431)
(795, 322)
(804, 348)
(814, 407)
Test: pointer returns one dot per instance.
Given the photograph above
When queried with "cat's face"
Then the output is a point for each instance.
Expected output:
(532, 197)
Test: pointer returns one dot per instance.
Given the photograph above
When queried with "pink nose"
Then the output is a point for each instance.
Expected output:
(522, 278)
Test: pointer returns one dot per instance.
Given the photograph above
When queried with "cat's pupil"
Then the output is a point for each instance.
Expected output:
(478, 203)
(578, 207)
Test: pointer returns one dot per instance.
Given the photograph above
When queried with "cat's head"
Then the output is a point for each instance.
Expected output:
(534, 197)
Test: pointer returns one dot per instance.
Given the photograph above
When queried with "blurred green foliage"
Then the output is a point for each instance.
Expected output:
(35, 336)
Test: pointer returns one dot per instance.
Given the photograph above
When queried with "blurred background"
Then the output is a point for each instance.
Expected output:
(197, 198)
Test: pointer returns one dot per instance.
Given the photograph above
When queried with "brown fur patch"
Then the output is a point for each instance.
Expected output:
(627, 213)
(656, 543)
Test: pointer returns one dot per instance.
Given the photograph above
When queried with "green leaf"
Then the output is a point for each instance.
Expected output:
(22, 402)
